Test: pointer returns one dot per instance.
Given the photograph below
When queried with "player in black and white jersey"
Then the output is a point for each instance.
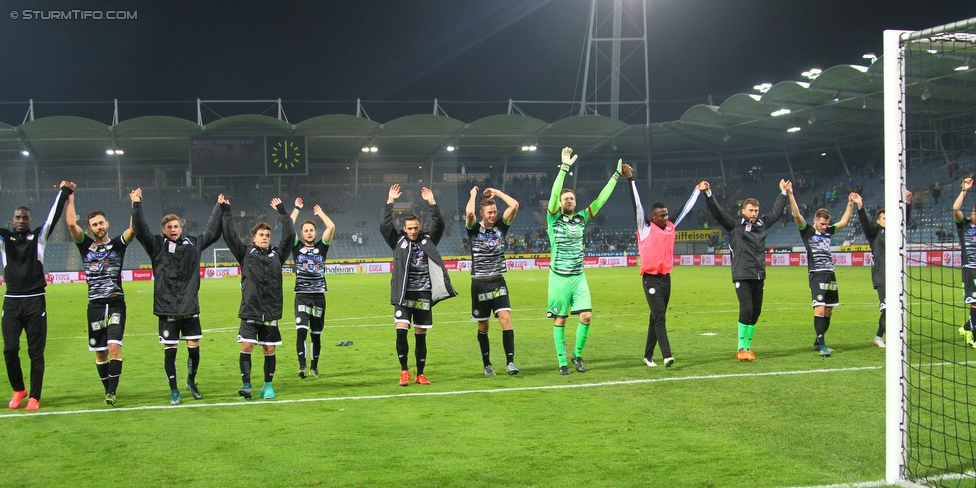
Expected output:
(823, 282)
(966, 228)
(419, 279)
(101, 260)
(309, 254)
(24, 305)
(489, 293)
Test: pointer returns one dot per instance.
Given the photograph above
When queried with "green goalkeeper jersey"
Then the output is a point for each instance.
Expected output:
(566, 241)
(566, 231)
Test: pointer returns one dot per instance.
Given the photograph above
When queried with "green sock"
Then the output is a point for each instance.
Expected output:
(750, 330)
(559, 337)
(581, 332)
(742, 336)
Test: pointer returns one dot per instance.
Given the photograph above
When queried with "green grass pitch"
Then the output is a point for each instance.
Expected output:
(790, 418)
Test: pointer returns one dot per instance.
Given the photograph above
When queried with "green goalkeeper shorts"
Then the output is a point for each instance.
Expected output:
(568, 294)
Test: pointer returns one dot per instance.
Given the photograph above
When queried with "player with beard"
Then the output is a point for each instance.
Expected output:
(489, 292)
(747, 242)
(419, 279)
(309, 256)
(568, 291)
(101, 259)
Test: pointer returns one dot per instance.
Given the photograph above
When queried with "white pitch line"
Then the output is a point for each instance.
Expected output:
(446, 393)
(862, 484)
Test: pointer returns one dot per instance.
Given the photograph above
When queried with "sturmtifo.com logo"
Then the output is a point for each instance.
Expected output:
(29, 14)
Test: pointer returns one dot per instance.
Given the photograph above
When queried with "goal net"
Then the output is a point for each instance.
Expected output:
(223, 257)
(930, 147)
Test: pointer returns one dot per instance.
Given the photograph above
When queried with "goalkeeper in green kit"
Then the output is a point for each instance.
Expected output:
(568, 291)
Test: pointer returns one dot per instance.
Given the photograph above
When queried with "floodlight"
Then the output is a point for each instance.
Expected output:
(793, 129)
(25, 152)
(782, 111)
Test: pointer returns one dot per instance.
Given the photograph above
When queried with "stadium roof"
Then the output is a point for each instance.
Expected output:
(840, 107)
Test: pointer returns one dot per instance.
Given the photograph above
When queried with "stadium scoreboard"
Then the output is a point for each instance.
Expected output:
(248, 156)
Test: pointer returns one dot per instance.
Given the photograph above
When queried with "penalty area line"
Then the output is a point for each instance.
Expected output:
(445, 393)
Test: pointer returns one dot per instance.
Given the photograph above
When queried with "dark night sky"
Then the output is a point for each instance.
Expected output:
(419, 50)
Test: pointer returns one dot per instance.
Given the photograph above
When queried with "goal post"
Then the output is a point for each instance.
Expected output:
(894, 173)
(930, 146)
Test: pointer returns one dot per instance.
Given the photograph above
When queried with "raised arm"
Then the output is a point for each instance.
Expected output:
(287, 230)
(237, 248)
(138, 221)
(66, 189)
(513, 206)
(212, 232)
(567, 159)
(387, 229)
(436, 219)
(848, 212)
(299, 204)
(800, 222)
(870, 228)
(606, 192)
(329, 231)
(642, 222)
(779, 208)
(470, 211)
(721, 216)
(967, 184)
(71, 217)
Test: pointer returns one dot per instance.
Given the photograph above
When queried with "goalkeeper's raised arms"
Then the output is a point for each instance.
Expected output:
(567, 157)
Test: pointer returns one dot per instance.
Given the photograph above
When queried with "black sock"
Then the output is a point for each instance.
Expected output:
(192, 362)
(402, 348)
(827, 323)
(508, 340)
(972, 319)
(485, 346)
(270, 363)
(114, 372)
(245, 367)
(820, 326)
(300, 347)
(316, 350)
(421, 352)
(881, 324)
(103, 374)
(169, 365)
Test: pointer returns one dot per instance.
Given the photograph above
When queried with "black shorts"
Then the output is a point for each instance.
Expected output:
(260, 333)
(106, 323)
(487, 296)
(415, 308)
(969, 283)
(310, 312)
(881, 296)
(823, 289)
(172, 328)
